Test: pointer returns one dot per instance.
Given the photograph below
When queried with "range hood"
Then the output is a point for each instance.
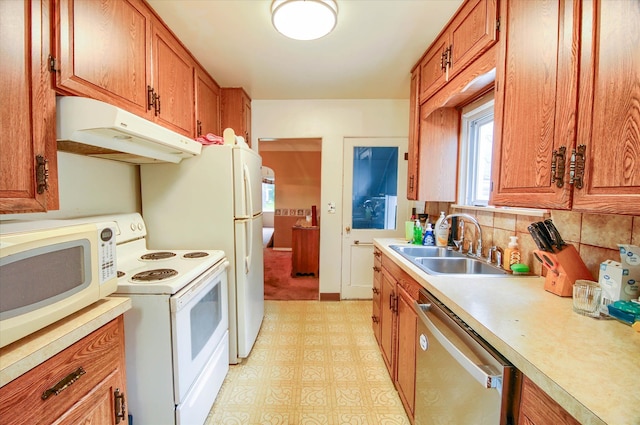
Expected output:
(94, 128)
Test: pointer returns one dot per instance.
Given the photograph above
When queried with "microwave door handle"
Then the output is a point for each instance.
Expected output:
(481, 373)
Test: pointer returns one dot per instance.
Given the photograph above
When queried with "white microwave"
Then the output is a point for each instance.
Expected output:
(51, 269)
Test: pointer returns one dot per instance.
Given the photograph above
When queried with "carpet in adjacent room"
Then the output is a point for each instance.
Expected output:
(278, 283)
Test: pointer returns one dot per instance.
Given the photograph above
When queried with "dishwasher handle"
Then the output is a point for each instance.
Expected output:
(486, 375)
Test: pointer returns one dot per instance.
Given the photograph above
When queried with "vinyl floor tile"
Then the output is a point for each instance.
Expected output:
(314, 363)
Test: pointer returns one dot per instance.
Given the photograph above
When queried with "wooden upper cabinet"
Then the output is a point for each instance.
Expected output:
(414, 137)
(535, 104)
(608, 112)
(207, 104)
(102, 51)
(432, 71)
(438, 155)
(28, 118)
(470, 33)
(236, 112)
(172, 79)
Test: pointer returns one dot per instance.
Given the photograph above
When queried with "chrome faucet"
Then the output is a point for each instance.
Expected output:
(478, 252)
(494, 256)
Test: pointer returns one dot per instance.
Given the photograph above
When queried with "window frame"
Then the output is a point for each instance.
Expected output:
(472, 116)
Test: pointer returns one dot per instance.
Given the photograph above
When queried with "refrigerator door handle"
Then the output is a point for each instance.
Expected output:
(248, 245)
(248, 191)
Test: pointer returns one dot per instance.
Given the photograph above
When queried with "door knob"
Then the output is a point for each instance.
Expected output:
(348, 229)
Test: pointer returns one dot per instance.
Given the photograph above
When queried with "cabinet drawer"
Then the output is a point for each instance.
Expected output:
(98, 354)
(404, 280)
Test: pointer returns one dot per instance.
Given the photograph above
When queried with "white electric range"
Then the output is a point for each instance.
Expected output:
(176, 334)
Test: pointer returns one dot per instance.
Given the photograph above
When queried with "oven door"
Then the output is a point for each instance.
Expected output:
(199, 320)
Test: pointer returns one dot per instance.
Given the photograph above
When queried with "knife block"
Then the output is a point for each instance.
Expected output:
(570, 268)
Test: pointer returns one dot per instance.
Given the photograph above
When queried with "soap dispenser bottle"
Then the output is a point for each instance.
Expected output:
(511, 254)
(442, 230)
(428, 238)
(417, 233)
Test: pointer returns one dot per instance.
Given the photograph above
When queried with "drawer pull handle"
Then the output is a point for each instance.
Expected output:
(64, 383)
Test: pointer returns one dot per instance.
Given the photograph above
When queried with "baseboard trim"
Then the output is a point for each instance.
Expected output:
(329, 296)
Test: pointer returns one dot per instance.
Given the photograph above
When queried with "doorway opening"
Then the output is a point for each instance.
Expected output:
(291, 272)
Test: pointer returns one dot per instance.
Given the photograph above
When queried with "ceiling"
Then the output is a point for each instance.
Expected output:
(369, 55)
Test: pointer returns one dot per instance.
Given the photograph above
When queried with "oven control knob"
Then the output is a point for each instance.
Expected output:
(133, 227)
(140, 226)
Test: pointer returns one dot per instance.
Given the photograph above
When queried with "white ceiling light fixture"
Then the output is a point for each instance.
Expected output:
(304, 19)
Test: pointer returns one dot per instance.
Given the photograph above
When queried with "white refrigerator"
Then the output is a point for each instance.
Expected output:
(214, 201)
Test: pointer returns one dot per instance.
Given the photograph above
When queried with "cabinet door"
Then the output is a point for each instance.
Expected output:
(103, 51)
(432, 74)
(473, 31)
(414, 137)
(438, 155)
(387, 319)
(609, 115)
(236, 112)
(537, 408)
(207, 104)
(173, 81)
(100, 406)
(28, 116)
(536, 92)
(246, 119)
(407, 336)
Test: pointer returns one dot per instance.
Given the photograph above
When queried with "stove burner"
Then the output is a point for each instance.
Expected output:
(120, 274)
(158, 255)
(154, 275)
(196, 254)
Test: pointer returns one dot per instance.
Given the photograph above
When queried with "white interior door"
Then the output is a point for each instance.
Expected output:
(374, 203)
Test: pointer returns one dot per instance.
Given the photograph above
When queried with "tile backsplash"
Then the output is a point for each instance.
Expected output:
(595, 236)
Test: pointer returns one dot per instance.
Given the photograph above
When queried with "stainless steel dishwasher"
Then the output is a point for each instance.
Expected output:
(460, 378)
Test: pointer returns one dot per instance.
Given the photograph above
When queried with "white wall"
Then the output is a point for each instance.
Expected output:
(332, 121)
(92, 186)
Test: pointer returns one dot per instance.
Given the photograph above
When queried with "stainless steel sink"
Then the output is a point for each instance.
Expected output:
(445, 265)
(413, 251)
(442, 261)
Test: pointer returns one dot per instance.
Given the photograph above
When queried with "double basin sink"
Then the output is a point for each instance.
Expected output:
(442, 261)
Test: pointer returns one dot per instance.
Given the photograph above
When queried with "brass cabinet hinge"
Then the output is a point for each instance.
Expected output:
(576, 168)
(199, 128)
(53, 64)
(498, 25)
(120, 406)
(557, 166)
(151, 97)
(42, 174)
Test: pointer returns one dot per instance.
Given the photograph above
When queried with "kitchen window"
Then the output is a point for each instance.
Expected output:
(475, 153)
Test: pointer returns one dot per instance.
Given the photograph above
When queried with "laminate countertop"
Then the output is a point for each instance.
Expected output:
(28, 352)
(591, 367)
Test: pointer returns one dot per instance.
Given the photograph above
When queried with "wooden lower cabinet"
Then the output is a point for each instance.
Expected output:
(396, 330)
(406, 346)
(537, 408)
(94, 372)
